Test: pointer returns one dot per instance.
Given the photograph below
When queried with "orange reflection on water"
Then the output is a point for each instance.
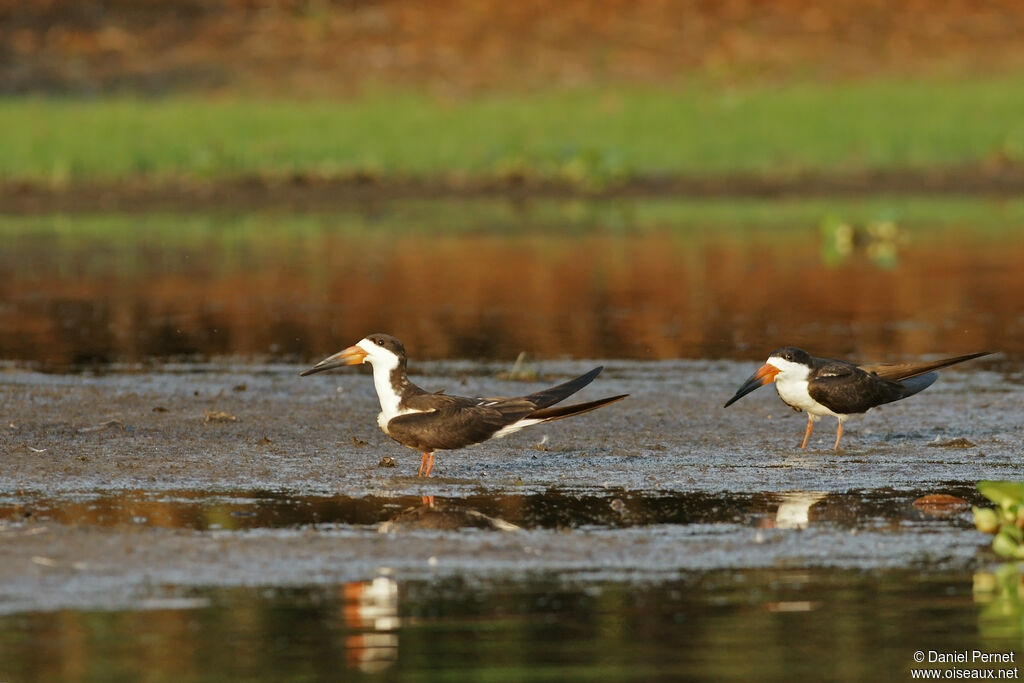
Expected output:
(371, 623)
(648, 294)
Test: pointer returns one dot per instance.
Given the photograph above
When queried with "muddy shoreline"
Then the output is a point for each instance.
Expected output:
(312, 192)
(104, 477)
(236, 427)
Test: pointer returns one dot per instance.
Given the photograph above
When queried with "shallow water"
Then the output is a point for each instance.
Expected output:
(734, 625)
(621, 585)
(183, 506)
(653, 539)
(488, 280)
(550, 509)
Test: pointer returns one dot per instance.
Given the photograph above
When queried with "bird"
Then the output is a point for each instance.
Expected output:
(431, 422)
(825, 386)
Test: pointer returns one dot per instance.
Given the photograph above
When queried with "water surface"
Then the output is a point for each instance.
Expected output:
(661, 538)
(487, 280)
(779, 625)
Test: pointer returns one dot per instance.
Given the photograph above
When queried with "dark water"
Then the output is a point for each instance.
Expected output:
(487, 280)
(763, 625)
(730, 625)
(552, 509)
(766, 623)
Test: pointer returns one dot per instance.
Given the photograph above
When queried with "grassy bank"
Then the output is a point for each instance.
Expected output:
(580, 135)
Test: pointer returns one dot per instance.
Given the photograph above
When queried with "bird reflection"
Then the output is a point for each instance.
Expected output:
(371, 612)
(443, 516)
(794, 509)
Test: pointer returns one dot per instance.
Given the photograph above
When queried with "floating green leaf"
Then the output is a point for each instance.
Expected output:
(1003, 493)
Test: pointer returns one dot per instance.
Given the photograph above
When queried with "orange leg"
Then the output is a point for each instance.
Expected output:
(807, 434)
(839, 435)
(426, 464)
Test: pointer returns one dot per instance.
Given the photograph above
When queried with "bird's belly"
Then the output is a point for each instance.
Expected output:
(797, 396)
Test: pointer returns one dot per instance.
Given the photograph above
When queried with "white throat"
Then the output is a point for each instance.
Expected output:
(384, 363)
(791, 383)
(389, 400)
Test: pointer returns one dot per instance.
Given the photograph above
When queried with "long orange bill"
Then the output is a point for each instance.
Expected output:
(764, 375)
(353, 355)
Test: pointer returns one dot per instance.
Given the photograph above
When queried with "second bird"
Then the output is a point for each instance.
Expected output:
(432, 422)
(824, 386)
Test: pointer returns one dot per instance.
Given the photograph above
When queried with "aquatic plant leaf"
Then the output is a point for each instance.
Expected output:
(1003, 493)
(986, 520)
(1012, 532)
(1005, 545)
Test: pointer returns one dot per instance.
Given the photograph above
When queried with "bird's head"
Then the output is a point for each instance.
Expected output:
(788, 362)
(379, 350)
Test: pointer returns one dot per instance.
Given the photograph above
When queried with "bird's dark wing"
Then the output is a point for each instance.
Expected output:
(901, 371)
(845, 388)
(423, 401)
(457, 422)
(449, 422)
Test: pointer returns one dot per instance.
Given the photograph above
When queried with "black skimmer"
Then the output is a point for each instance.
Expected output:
(432, 422)
(823, 386)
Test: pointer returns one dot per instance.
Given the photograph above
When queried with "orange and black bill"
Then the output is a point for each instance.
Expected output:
(353, 355)
(764, 375)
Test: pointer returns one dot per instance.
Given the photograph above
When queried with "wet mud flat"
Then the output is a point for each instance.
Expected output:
(248, 474)
(184, 504)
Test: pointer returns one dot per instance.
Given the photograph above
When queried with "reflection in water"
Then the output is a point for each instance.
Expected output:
(795, 508)
(766, 624)
(879, 241)
(551, 509)
(488, 280)
(371, 611)
(1001, 593)
(434, 515)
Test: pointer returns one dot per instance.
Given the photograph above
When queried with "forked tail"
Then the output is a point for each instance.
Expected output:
(552, 395)
(897, 372)
(558, 412)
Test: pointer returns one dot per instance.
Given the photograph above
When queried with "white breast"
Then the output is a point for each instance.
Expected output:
(791, 383)
(389, 400)
(795, 393)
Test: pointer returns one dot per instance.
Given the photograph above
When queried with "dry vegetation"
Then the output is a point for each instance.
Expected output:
(318, 47)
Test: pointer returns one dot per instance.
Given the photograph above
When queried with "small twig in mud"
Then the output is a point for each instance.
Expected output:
(26, 447)
(103, 425)
(958, 442)
(219, 416)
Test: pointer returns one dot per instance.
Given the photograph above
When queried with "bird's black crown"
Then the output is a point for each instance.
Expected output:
(792, 354)
(388, 342)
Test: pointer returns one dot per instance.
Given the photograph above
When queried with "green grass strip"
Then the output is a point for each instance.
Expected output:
(584, 135)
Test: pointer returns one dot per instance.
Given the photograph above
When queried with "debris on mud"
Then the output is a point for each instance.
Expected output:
(218, 416)
(108, 424)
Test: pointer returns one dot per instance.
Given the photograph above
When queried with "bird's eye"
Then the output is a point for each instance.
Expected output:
(379, 342)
